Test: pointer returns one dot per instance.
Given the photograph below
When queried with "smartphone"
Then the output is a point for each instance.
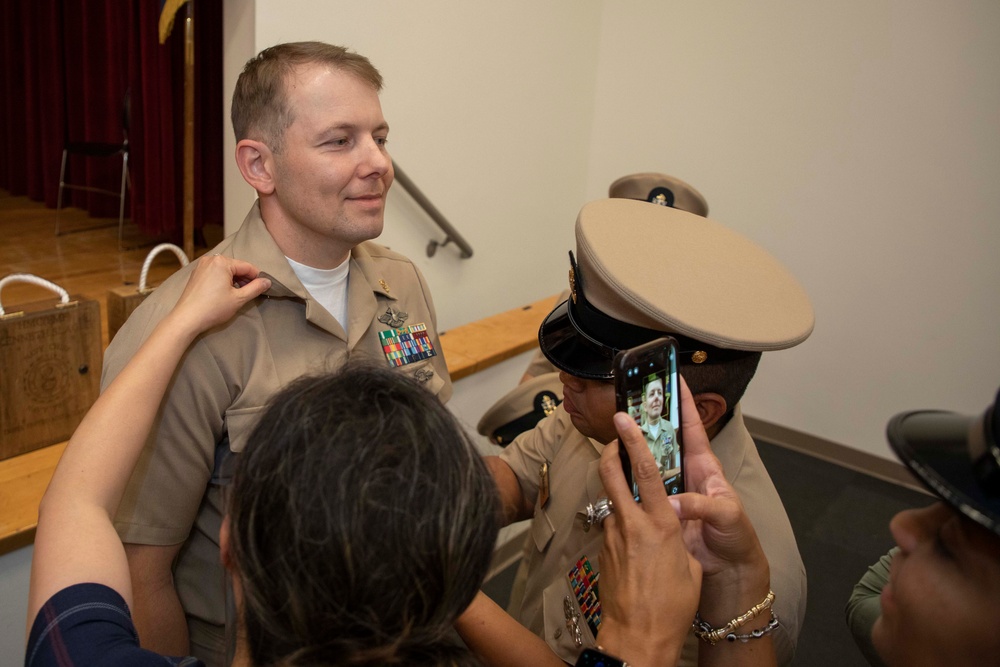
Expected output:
(647, 388)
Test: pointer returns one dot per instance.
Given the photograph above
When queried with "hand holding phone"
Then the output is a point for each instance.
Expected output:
(647, 388)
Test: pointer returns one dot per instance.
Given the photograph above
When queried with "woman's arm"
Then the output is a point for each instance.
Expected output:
(499, 640)
(718, 532)
(76, 541)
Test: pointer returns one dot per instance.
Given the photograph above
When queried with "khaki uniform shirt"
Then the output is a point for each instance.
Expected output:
(225, 380)
(557, 540)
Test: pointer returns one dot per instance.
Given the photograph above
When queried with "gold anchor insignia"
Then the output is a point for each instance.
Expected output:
(384, 285)
(572, 284)
(548, 405)
(660, 199)
(699, 357)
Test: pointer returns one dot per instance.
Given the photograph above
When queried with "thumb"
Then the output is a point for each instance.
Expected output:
(253, 289)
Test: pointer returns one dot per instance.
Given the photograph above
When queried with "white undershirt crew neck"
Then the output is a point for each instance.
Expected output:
(327, 286)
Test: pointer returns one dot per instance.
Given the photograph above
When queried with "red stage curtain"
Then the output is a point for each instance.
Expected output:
(66, 67)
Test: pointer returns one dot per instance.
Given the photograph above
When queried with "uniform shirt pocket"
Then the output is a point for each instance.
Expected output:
(566, 629)
(425, 374)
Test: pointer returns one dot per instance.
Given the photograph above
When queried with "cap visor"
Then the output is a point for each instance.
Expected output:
(935, 446)
(570, 351)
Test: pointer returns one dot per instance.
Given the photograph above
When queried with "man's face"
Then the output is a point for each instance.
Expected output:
(943, 583)
(654, 400)
(333, 172)
(591, 406)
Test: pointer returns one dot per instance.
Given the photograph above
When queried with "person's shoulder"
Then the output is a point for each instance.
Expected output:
(378, 253)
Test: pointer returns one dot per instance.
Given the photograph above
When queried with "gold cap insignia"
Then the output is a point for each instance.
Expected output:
(699, 357)
(548, 405)
(572, 284)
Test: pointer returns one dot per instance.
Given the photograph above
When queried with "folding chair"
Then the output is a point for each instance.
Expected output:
(97, 149)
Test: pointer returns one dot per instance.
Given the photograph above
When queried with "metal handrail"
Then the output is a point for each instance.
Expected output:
(451, 234)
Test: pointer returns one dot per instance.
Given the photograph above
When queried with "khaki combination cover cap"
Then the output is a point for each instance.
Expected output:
(666, 269)
(521, 408)
(650, 187)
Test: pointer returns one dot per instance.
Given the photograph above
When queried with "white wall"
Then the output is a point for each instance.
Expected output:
(856, 140)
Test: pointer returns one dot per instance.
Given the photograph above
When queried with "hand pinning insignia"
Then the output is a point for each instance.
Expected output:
(394, 318)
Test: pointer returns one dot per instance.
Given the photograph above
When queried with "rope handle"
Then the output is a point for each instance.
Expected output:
(34, 280)
(149, 262)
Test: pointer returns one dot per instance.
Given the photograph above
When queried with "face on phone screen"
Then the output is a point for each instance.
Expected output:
(651, 395)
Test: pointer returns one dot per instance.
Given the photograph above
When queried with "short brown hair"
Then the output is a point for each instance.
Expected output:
(260, 106)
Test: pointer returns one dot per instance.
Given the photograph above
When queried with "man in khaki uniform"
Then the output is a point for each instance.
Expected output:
(311, 141)
(659, 431)
(726, 300)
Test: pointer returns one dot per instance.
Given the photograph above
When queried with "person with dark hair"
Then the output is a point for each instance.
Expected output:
(932, 599)
(362, 519)
(726, 301)
(361, 522)
(311, 140)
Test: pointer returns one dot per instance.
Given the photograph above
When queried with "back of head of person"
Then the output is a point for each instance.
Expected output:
(943, 597)
(362, 523)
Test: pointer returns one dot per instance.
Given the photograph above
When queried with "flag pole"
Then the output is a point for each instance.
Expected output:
(189, 132)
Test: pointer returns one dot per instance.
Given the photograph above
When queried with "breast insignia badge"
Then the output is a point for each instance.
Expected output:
(392, 317)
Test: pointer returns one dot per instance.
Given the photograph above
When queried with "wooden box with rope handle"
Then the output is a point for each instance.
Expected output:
(50, 367)
(123, 300)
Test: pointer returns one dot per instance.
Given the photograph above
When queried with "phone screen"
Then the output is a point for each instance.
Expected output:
(647, 388)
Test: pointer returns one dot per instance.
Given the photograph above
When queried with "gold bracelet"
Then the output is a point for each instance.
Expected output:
(707, 633)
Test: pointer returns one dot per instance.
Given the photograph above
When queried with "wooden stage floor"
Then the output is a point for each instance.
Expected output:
(85, 263)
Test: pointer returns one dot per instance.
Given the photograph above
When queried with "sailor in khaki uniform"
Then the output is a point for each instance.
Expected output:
(726, 300)
(322, 173)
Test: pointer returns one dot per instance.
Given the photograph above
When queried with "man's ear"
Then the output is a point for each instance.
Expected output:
(256, 163)
(711, 408)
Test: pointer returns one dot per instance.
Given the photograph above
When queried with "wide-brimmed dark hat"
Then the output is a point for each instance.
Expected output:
(641, 271)
(956, 456)
(660, 189)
